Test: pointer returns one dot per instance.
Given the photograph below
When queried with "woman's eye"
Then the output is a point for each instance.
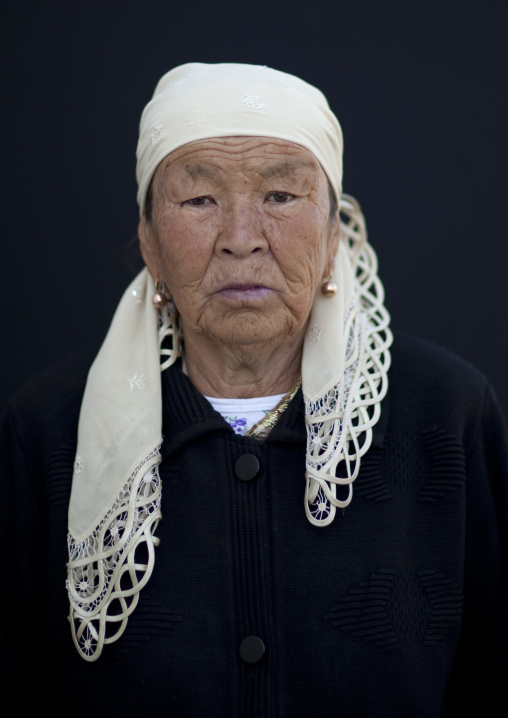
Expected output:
(280, 197)
(199, 201)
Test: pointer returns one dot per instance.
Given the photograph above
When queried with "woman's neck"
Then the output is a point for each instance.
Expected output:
(242, 372)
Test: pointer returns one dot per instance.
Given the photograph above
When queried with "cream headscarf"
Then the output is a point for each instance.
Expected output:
(196, 101)
(116, 490)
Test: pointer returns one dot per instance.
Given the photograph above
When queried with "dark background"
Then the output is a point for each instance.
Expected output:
(420, 91)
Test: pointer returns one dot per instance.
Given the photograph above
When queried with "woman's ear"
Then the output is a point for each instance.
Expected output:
(148, 246)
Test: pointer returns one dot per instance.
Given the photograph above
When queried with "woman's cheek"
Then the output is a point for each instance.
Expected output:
(183, 240)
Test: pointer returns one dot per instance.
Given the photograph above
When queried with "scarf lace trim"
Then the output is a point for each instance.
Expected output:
(339, 424)
(100, 595)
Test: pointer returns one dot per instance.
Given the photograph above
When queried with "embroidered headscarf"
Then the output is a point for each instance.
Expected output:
(116, 490)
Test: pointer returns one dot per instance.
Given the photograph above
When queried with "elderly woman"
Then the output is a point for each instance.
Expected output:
(242, 395)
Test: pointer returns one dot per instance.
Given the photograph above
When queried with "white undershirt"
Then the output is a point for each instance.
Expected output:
(243, 414)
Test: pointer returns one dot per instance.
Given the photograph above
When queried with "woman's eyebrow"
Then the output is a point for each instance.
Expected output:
(277, 169)
(195, 171)
(283, 169)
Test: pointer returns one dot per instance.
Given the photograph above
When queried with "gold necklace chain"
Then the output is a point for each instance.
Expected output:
(266, 424)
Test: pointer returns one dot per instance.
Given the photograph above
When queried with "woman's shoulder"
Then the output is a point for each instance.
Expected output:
(437, 386)
(46, 408)
(423, 361)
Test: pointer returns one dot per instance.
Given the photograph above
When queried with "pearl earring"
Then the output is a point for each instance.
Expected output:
(159, 298)
(328, 288)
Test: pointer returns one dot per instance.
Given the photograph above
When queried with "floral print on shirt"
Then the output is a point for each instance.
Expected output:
(238, 424)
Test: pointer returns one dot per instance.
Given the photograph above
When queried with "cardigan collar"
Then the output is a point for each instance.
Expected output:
(187, 415)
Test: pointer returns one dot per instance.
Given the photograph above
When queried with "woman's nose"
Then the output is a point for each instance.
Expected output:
(241, 233)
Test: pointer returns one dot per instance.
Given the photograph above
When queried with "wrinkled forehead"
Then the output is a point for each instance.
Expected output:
(197, 102)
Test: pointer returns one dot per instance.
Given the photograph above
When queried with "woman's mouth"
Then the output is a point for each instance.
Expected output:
(244, 292)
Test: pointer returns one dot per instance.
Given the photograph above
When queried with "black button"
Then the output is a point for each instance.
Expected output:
(252, 649)
(246, 467)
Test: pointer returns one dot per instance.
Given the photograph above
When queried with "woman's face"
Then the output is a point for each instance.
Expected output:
(240, 233)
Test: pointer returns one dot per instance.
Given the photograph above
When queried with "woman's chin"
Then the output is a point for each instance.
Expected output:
(248, 326)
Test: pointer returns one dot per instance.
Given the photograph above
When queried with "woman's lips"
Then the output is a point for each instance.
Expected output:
(244, 292)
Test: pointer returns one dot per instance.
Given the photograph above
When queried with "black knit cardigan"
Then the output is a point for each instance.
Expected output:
(398, 608)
